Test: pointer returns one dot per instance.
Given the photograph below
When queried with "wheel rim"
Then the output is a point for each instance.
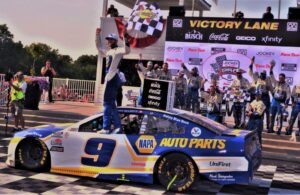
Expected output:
(33, 154)
(178, 169)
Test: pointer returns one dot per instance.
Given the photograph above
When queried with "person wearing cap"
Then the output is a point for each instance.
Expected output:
(195, 82)
(238, 84)
(165, 73)
(281, 96)
(114, 55)
(214, 101)
(263, 83)
(295, 110)
(255, 112)
(181, 86)
(17, 94)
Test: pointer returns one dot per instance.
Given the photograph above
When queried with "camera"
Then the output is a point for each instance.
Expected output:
(8, 76)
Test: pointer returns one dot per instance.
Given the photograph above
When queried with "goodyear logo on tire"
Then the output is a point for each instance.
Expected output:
(146, 144)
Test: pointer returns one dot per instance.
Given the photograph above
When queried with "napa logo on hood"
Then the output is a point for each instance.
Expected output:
(146, 144)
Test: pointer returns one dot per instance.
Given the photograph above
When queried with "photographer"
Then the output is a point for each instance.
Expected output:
(17, 94)
(48, 71)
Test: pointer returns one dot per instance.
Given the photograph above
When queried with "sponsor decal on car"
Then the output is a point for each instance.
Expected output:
(193, 143)
(57, 149)
(146, 144)
(196, 132)
(56, 142)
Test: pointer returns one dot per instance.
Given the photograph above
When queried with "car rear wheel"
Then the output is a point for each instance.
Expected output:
(32, 154)
(176, 172)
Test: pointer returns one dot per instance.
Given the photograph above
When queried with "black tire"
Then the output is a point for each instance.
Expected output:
(32, 154)
(176, 172)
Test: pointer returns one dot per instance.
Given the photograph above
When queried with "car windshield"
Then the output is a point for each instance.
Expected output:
(205, 122)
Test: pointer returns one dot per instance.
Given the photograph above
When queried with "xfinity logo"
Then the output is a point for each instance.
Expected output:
(268, 39)
(220, 37)
(193, 35)
(245, 38)
(265, 53)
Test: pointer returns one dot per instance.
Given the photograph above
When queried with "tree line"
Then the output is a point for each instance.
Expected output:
(14, 56)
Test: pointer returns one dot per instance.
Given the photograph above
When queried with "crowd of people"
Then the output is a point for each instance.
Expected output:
(191, 93)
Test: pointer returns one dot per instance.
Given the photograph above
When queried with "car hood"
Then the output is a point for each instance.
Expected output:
(42, 131)
(237, 133)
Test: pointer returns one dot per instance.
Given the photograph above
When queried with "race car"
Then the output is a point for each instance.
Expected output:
(173, 147)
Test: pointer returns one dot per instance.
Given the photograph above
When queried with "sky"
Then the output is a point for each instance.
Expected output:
(69, 25)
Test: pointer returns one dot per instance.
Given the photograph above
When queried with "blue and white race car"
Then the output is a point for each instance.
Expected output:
(173, 147)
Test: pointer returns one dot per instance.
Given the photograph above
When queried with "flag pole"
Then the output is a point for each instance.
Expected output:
(235, 5)
(279, 8)
(193, 8)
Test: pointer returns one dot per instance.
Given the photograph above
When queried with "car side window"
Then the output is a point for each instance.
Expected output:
(153, 125)
(131, 123)
(92, 126)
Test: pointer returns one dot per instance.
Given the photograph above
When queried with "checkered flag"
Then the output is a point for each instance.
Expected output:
(236, 96)
(147, 18)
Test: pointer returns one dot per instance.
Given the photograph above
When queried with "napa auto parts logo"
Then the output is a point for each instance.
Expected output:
(146, 144)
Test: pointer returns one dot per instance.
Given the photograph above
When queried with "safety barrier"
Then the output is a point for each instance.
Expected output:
(3, 90)
(73, 90)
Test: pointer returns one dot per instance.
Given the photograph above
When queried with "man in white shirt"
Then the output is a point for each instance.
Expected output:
(112, 82)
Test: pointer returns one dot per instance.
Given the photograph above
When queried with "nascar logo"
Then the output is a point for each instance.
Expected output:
(146, 144)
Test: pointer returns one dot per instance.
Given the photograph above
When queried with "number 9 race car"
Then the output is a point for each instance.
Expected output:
(173, 148)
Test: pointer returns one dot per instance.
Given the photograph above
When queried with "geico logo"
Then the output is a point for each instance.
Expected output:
(245, 38)
(193, 143)
(265, 53)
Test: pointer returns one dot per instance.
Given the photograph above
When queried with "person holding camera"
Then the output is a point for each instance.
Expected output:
(48, 71)
(17, 96)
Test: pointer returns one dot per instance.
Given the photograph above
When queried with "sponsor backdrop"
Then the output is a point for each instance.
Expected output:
(220, 46)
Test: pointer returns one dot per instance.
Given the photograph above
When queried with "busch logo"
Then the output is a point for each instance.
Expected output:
(292, 26)
(177, 23)
(193, 35)
(220, 37)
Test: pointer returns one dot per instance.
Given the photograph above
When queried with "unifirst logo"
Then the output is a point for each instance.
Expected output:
(146, 144)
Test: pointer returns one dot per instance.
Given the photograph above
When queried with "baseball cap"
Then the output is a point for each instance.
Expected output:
(239, 70)
(112, 36)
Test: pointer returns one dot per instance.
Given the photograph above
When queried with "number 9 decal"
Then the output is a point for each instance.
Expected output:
(98, 152)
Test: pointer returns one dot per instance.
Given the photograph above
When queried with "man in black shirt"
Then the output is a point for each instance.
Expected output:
(112, 11)
(268, 15)
(48, 71)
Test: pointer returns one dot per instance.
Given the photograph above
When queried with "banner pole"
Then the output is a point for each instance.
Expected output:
(279, 8)
(235, 5)
(193, 8)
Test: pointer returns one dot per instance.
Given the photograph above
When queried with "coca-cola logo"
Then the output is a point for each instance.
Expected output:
(219, 37)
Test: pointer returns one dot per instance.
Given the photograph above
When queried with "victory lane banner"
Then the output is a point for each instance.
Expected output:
(219, 47)
(234, 31)
(158, 94)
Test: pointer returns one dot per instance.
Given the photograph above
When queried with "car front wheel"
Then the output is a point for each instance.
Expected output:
(32, 154)
(176, 172)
